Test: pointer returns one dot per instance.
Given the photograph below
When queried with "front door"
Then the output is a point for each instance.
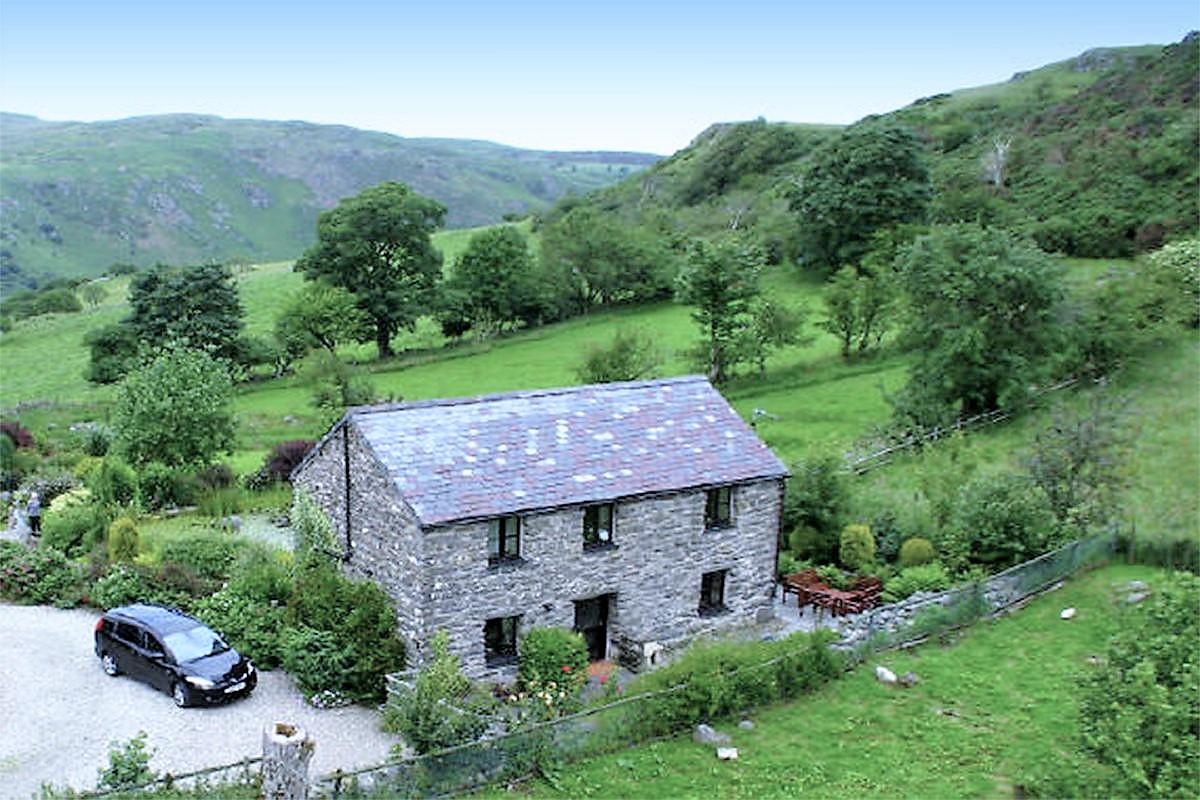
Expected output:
(591, 620)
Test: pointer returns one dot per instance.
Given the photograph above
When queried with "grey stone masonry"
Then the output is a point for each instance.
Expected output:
(440, 578)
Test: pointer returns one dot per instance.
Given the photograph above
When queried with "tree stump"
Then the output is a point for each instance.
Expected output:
(286, 752)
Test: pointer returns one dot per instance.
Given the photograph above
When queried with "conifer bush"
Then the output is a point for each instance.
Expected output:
(916, 551)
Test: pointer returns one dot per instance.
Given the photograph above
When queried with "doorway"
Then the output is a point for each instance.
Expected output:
(591, 620)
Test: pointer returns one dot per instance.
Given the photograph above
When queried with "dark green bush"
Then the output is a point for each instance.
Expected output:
(208, 554)
(916, 551)
(318, 661)
(263, 575)
(214, 477)
(39, 576)
(1000, 520)
(125, 583)
(165, 487)
(552, 655)
(359, 618)
(114, 482)
(720, 679)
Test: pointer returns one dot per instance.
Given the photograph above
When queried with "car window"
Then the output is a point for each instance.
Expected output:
(128, 633)
(194, 643)
(152, 644)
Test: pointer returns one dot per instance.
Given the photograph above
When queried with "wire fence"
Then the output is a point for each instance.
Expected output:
(863, 464)
(626, 722)
(222, 775)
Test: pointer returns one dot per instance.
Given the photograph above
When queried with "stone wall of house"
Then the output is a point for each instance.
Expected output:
(385, 539)
(660, 551)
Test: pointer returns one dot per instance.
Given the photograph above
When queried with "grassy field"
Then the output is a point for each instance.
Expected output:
(992, 709)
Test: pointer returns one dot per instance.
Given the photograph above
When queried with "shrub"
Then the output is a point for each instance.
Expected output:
(97, 441)
(1001, 520)
(20, 437)
(128, 764)
(39, 576)
(631, 355)
(723, 678)
(208, 554)
(1139, 709)
(114, 482)
(553, 655)
(126, 584)
(75, 528)
(925, 578)
(856, 549)
(788, 564)
(214, 477)
(317, 660)
(817, 497)
(916, 551)
(285, 457)
(123, 540)
(431, 715)
(164, 487)
(361, 619)
(263, 575)
(252, 626)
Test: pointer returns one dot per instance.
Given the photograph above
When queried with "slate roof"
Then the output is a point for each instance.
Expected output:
(492, 455)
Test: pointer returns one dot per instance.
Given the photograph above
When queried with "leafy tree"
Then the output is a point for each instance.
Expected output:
(590, 259)
(93, 293)
(335, 384)
(815, 506)
(722, 282)
(377, 246)
(496, 279)
(631, 355)
(772, 325)
(1140, 708)
(999, 520)
(113, 349)
(981, 318)
(177, 409)
(1175, 270)
(320, 315)
(195, 306)
(870, 177)
(1078, 460)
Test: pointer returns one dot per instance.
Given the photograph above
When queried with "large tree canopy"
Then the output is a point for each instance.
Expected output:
(377, 246)
(721, 281)
(494, 280)
(871, 177)
(981, 306)
(195, 306)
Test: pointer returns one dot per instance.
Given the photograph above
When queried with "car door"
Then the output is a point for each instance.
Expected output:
(124, 642)
(158, 672)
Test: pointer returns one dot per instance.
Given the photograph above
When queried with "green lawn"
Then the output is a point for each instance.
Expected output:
(990, 710)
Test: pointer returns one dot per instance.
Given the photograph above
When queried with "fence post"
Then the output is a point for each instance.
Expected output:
(286, 750)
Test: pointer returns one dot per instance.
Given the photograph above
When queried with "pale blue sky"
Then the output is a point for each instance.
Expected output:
(558, 75)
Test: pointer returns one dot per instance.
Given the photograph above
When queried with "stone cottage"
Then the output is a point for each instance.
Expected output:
(640, 514)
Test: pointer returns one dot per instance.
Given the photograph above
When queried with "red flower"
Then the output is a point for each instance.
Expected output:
(566, 668)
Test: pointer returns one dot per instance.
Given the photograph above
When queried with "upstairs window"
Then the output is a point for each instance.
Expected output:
(718, 507)
(712, 592)
(504, 539)
(500, 639)
(597, 526)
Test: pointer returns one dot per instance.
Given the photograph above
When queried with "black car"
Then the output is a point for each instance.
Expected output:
(173, 652)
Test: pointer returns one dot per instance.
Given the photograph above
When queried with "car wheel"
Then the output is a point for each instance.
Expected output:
(108, 663)
(179, 694)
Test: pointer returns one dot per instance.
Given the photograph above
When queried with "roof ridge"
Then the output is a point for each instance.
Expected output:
(519, 394)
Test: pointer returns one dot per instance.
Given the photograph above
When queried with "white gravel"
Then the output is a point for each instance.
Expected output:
(59, 712)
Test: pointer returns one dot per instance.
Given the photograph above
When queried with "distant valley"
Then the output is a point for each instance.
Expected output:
(181, 188)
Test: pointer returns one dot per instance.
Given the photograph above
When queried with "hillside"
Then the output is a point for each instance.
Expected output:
(1101, 159)
(77, 197)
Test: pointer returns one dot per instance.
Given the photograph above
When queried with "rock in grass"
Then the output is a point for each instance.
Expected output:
(704, 734)
(727, 753)
(909, 680)
(746, 725)
(1067, 613)
(1136, 598)
(885, 675)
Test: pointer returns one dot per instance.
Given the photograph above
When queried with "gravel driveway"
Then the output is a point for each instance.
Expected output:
(59, 711)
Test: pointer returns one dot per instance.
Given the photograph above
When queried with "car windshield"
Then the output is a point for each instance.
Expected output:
(194, 643)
